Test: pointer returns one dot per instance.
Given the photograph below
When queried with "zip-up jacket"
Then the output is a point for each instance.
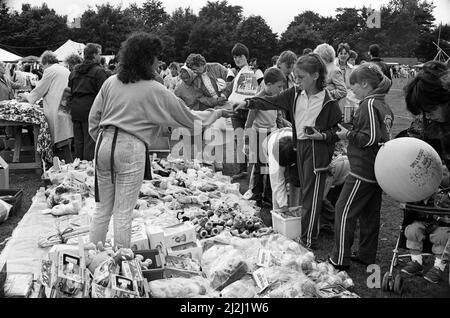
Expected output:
(85, 82)
(326, 121)
(372, 123)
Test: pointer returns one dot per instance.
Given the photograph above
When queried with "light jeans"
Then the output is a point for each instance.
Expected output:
(118, 198)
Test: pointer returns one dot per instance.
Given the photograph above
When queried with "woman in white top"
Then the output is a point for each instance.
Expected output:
(51, 88)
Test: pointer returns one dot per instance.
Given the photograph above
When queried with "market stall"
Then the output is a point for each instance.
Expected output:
(6, 56)
(193, 235)
(18, 114)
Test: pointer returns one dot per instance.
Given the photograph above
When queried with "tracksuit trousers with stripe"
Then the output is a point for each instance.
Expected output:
(359, 200)
(312, 188)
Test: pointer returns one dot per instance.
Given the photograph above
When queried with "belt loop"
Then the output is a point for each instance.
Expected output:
(113, 148)
(97, 147)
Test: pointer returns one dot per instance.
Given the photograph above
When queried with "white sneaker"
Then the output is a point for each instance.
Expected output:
(248, 194)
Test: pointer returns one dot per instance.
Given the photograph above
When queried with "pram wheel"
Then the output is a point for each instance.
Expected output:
(398, 284)
(387, 283)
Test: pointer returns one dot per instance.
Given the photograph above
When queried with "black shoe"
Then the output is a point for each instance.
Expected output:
(355, 258)
(338, 267)
(239, 175)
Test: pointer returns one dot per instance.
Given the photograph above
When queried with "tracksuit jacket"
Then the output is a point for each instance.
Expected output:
(371, 126)
(329, 116)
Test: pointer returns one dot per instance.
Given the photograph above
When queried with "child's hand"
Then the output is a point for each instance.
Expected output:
(342, 133)
(227, 113)
(316, 135)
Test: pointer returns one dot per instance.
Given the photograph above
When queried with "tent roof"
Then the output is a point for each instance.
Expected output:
(70, 47)
(6, 56)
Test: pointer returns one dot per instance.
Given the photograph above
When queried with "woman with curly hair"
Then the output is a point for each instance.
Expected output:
(124, 120)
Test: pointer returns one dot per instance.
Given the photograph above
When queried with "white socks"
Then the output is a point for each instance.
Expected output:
(417, 258)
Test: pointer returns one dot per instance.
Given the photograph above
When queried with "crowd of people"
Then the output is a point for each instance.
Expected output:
(317, 121)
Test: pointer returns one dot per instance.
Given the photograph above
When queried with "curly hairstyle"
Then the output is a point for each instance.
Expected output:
(195, 60)
(137, 56)
(428, 89)
(72, 60)
(312, 63)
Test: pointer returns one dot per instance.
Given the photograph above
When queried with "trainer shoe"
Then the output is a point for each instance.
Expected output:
(248, 194)
(354, 257)
(434, 275)
(412, 268)
(338, 267)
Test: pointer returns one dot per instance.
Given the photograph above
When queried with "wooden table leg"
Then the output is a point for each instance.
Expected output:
(37, 157)
(17, 143)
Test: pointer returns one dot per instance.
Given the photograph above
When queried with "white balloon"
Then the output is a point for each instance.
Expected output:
(408, 169)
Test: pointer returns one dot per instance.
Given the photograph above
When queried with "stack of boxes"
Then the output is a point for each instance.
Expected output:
(177, 240)
(181, 240)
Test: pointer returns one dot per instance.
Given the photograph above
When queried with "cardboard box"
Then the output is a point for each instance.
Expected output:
(70, 281)
(192, 250)
(139, 239)
(123, 287)
(156, 267)
(155, 236)
(179, 234)
(132, 270)
(4, 174)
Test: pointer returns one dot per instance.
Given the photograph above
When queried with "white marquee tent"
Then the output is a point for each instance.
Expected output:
(6, 56)
(68, 48)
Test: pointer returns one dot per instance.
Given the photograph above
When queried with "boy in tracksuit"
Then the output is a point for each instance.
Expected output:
(315, 117)
(260, 124)
(361, 195)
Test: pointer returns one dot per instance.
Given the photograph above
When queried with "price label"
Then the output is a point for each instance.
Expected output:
(260, 279)
(264, 258)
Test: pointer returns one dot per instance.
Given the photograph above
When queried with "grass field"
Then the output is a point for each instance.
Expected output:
(391, 219)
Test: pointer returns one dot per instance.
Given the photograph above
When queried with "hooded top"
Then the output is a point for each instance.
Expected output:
(85, 82)
(372, 123)
(193, 96)
(188, 93)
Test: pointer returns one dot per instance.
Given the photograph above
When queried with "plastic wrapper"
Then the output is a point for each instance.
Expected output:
(223, 265)
(180, 287)
(103, 272)
(287, 283)
(243, 288)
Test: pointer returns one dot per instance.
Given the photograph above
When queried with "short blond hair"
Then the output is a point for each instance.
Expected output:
(326, 52)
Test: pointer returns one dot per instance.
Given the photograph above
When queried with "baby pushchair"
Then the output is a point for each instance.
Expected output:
(393, 281)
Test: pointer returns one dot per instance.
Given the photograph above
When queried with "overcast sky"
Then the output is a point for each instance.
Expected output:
(277, 13)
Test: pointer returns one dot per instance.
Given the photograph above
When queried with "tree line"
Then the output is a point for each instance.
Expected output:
(408, 29)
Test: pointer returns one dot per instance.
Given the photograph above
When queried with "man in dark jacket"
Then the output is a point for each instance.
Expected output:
(374, 53)
(85, 82)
